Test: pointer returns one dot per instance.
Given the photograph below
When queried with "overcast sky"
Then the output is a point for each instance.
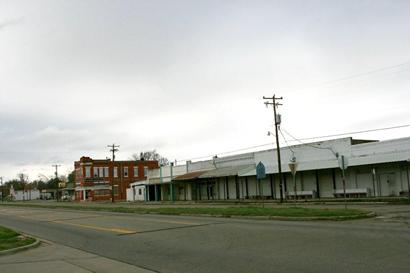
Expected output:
(187, 77)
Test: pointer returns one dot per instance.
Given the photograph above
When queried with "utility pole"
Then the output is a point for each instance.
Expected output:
(2, 188)
(113, 149)
(277, 122)
(56, 174)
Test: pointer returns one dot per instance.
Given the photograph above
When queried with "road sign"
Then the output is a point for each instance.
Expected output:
(260, 171)
(342, 162)
(293, 166)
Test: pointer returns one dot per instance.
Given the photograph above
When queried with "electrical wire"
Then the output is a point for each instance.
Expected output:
(303, 143)
(353, 76)
(284, 138)
(357, 132)
(300, 140)
(228, 152)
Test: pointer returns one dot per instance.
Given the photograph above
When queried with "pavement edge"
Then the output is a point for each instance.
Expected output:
(36, 243)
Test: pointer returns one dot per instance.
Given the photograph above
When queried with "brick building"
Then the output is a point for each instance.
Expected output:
(94, 177)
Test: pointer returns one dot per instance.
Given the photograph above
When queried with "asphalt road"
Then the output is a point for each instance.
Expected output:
(201, 244)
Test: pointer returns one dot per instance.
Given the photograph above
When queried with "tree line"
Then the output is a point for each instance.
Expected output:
(22, 182)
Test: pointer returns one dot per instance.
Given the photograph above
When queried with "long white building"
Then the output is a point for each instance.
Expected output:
(372, 169)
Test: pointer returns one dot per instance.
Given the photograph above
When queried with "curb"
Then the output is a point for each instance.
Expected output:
(20, 248)
(290, 218)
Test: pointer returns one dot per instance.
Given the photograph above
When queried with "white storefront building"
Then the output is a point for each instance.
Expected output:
(25, 195)
(372, 169)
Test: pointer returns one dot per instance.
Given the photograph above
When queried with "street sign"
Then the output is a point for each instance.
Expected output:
(260, 171)
(342, 162)
(293, 166)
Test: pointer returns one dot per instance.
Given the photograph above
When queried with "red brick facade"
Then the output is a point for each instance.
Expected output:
(94, 177)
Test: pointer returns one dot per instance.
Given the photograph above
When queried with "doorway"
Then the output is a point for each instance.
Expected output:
(387, 184)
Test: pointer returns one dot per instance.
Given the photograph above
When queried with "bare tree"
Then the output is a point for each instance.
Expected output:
(22, 177)
(151, 155)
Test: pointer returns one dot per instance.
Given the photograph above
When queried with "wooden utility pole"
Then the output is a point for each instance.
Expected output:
(56, 174)
(277, 123)
(113, 149)
(2, 188)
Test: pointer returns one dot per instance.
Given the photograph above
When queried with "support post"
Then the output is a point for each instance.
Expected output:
(272, 189)
(294, 187)
(156, 192)
(408, 178)
(275, 104)
(317, 184)
(227, 187)
(344, 180)
(2, 189)
(374, 180)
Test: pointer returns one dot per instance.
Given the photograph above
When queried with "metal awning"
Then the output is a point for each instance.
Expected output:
(97, 187)
(188, 176)
(155, 180)
(302, 166)
(228, 171)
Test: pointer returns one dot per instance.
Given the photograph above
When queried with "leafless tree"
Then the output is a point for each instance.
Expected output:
(151, 155)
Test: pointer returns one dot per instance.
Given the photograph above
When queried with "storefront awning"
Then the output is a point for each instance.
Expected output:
(188, 176)
(227, 171)
(97, 187)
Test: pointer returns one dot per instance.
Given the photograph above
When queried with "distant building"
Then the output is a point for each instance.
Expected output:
(94, 177)
(136, 191)
(372, 169)
(24, 195)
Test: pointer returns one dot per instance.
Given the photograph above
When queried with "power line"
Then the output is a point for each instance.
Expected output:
(228, 152)
(303, 143)
(284, 138)
(353, 76)
(357, 132)
(297, 140)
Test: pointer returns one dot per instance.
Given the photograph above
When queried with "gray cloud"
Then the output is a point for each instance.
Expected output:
(11, 22)
(187, 77)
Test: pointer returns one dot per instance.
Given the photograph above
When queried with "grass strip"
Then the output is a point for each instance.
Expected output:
(244, 211)
(10, 239)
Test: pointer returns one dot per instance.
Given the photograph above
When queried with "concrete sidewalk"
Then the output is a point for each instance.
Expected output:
(54, 258)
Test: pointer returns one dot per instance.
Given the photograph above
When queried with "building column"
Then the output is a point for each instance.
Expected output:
(237, 188)
(218, 188)
(146, 193)
(374, 181)
(246, 187)
(199, 191)
(208, 190)
(317, 184)
(227, 187)
(272, 187)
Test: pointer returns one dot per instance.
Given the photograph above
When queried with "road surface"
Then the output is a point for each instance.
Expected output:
(201, 244)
